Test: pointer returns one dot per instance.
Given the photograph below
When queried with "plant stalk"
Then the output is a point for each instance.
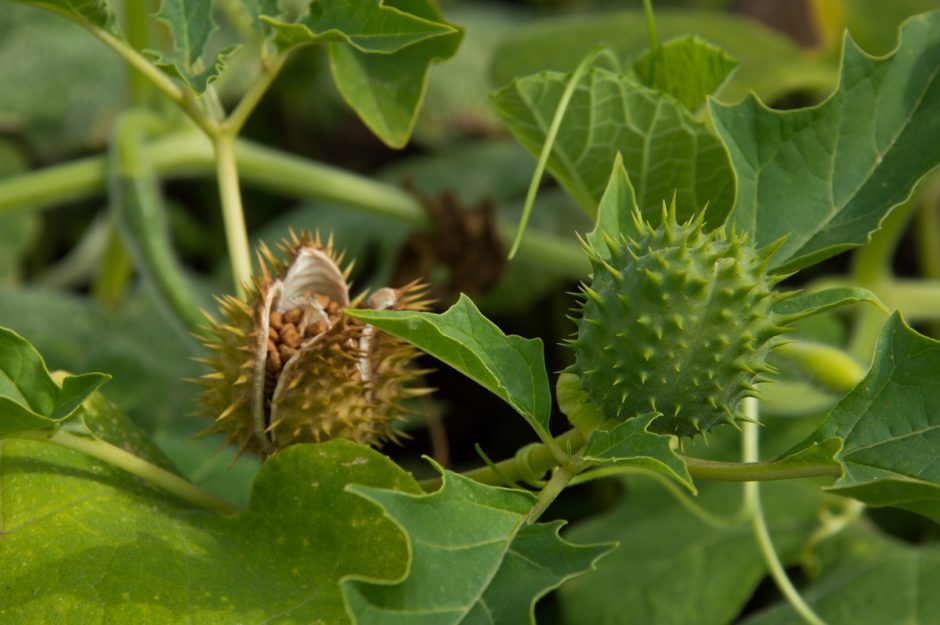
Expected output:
(232, 211)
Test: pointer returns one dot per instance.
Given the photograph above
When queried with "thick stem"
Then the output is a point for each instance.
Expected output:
(823, 364)
(560, 479)
(751, 454)
(232, 211)
(115, 456)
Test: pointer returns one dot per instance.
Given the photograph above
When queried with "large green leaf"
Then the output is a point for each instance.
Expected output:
(687, 68)
(510, 366)
(890, 425)
(771, 64)
(475, 558)
(868, 579)
(83, 543)
(665, 149)
(386, 90)
(190, 23)
(371, 26)
(826, 176)
(672, 567)
(29, 398)
(92, 13)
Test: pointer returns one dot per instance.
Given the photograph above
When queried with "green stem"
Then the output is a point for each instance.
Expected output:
(147, 70)
(269, 71)
(136, 16)
(560, 479)
(751, 454)
(232, 211)
(823, 364)
(115, 456)
(114, 271)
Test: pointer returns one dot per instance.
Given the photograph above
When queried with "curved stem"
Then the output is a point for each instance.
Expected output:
(823, 364)
(232, 212)
(157, 476)
(751, 454)
(269, 71)
(560, 479)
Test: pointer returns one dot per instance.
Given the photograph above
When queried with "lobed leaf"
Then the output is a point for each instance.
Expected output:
(826, 176)
(29, 398)
(486, 563)
(92, 13)
(85, 543)
(889, 426)
(190, 23)
(665, 150)
(511, 367)
(687, 68)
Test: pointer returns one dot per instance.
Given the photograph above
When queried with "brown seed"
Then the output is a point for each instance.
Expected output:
(323, 300)
(272, 335)
(286, 352)
(293, 315)
(275, 321)
(333, 308)
(271, 346)
(289, 335)
(315, 328)
(274, 361)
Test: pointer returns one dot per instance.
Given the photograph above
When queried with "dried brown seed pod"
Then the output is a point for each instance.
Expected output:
(287, 366)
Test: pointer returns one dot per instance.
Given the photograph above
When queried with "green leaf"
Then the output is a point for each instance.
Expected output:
(615, 210)
(689, 69)
(665, 149)
(511, 367)
(678, 565)
(93, 13)
(815, 302)
(197, 81)
(827, 176)
(190, 23)
(630, 444)
(85, 543)
(867, 579)
(485, 564)
(890, 426)
(371, 26)
(386, 90)
(29, 398)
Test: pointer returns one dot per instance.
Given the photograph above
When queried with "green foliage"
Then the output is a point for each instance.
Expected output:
(88, 13)
(487, 564)
(689, 69)
(827, 176)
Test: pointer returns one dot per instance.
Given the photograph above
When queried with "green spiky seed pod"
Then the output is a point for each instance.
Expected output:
(678, 321)
(287, 366)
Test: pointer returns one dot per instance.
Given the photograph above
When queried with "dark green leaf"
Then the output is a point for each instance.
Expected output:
(93, 13)
(807, 304)
(485, 564)
(29, 398)
(827, 176)
(85, 543)
(890, 425)
(687, 68)
(510, 366)
(190, 22)
(615, 210)
(370, 26)
(665, 150)
(630, 444)
(675, 568)
(386, 90)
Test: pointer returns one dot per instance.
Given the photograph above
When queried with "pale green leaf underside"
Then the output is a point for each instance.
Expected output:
(386, 90)
(630, 444)
(686, 68)
(96, 13)
(826, 176)
(615, 211)
(806, 304)
(890, 425)
(510, 366)
(189, 22)
(475, 559)
(367, 25)
(83, 543)
(665, 150)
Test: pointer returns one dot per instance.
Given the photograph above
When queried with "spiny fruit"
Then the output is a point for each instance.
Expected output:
(677, 321)
(287, 366)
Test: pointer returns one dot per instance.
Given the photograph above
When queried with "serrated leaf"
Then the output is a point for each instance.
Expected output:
(29, 398)
(511, 367)
(386, 90)
(85, 543)
(675, 568)
(485, 564)
(197, 81)
(688, 68)
(370, 26)
(629, 443)
(93, 13)
(890, 426)
(826, 176)
(867, 579)
(807, 304)
(665, 150)
(190, 23)
(615, 210)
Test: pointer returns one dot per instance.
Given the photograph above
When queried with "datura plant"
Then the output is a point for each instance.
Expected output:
(751, 443)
